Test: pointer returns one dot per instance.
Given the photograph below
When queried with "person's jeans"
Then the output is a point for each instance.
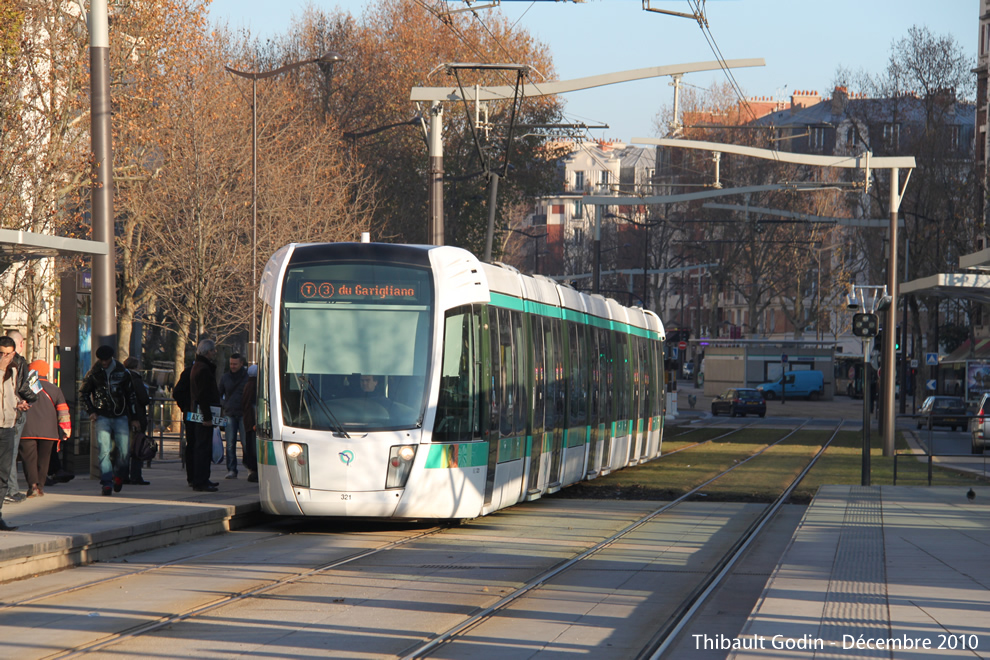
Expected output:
(6, 448)
(12, 487)
(234, 429)
(110, 432)
(250, 451)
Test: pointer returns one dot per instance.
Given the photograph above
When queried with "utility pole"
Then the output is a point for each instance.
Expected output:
(104, 292)
(435, 142)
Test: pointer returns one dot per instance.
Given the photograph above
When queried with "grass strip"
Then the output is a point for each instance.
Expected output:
(764, 477)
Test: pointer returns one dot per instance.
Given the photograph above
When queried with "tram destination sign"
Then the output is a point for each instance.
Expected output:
(356, 291)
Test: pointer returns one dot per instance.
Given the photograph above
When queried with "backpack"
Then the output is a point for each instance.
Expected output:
(182, 393)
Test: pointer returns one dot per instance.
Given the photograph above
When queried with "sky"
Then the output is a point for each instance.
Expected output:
(803, 42)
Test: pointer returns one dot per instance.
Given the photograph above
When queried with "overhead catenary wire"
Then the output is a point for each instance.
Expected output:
(444, 18)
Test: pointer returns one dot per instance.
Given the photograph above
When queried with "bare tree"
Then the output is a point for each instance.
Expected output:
(44, 149)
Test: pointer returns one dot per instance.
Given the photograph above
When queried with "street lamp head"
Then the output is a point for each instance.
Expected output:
(852, 301)
(330, 57)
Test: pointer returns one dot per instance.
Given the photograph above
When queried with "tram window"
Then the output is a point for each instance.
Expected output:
(594, 353)
(554, 386)
(458, 407)
(578, 412)
(263, 405)
(507, 367)
(560, 382)
(605, 383)
(539, 375)
(646, 377)
(658, 376)
(497, 376)
(339, 321)
(621, 378)
(519, 377)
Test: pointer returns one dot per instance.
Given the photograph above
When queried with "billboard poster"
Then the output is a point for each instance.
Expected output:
(977, 379)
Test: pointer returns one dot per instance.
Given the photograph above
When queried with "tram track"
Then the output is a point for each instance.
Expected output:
(690, 605)
(137, 570)
(660, 643)
(200, 610)
(108, 642)
(702, 442)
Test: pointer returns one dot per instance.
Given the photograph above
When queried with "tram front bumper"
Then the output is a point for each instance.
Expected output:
(361, 504)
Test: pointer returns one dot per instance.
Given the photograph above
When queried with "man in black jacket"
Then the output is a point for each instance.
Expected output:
(15, 397)
(182, 395)
(231, 392)
(204, 396)
(13, 494)
(132, 364)
(108, 393)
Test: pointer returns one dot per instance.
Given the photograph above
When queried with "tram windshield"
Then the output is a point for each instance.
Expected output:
(355, 346)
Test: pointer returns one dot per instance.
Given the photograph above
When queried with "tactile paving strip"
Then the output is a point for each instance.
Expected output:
(856, 603)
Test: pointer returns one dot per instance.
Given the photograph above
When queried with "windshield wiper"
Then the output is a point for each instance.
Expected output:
(304, 387)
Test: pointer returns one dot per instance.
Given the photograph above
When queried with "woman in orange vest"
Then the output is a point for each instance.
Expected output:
(48, 423)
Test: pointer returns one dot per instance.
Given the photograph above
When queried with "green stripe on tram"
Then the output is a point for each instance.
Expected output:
(542, 309)
(267, 453)
(463, 455)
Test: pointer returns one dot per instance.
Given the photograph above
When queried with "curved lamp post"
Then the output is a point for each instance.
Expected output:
(326, 62)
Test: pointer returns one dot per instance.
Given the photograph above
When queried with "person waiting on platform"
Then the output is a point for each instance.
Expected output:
(48, 423)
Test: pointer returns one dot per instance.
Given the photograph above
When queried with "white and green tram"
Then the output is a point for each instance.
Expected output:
(415, 382)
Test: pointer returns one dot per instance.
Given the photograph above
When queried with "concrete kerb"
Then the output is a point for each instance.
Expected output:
(72, 524)
(40, 552)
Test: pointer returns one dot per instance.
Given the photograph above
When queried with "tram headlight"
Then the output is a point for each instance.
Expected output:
(400, 462)
(297, 460)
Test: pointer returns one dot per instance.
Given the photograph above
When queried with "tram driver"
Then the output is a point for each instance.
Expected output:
(371, 392)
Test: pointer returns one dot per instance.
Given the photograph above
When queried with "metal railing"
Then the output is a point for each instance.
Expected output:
(159, 422)
(929, 421)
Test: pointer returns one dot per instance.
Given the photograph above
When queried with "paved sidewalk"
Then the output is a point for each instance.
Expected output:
(882, 571)
(74, 524)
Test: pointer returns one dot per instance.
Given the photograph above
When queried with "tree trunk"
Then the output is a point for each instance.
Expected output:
(179, 362)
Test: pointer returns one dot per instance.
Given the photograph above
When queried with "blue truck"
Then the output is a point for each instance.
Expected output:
(810, 384)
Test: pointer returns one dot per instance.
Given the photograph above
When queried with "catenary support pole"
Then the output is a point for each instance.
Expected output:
(436, 173)
(492, 199)
(104, 294)
(890, 330)
(867, 394)
(596, 257)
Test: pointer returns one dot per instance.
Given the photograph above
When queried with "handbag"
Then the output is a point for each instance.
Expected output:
(145, 447)
(217, 445)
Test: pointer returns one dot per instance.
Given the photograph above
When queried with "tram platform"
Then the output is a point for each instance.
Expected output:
(878, 571)
(73, 523)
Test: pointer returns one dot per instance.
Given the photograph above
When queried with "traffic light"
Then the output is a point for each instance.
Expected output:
(866, 325)
(897, 340)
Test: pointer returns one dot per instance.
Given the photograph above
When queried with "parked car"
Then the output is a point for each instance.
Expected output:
(943, 411)
(978, 425)
(739, 401)
(809, 384)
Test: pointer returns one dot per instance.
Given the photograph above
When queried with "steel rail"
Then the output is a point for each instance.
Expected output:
(660, 642)
(6, 605)
(170, 619)
(442, 638)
